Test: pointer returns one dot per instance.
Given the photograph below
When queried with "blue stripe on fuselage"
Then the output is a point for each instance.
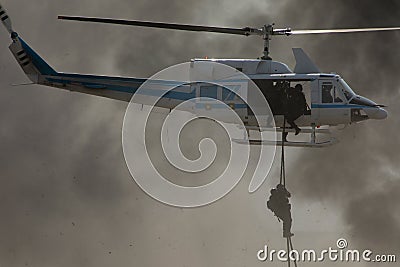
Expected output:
(136, 83)
(96, 82)
(220, 105)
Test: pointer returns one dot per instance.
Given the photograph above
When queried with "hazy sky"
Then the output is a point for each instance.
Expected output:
(67, 198)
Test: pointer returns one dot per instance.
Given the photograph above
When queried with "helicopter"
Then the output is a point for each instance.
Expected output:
(331, 100)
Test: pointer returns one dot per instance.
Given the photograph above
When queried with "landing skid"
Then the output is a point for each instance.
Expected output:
(289, 130)
(312, 143)
(330, 142)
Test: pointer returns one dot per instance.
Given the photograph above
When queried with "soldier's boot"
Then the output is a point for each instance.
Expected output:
(298, 130)
(285, 134)
(286, 230)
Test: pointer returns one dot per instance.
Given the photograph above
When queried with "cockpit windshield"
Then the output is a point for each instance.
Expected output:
(346, 89)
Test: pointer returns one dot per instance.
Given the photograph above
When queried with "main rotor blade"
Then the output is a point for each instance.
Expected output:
(184, 27)
(295, 32)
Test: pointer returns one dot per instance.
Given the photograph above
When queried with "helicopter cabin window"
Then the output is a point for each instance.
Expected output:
(326, 92)
(209, 91)
(331, 93)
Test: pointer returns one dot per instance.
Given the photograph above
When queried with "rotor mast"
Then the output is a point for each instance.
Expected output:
(268, 30)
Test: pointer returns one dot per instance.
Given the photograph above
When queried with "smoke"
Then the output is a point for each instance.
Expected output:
(67, 197)
(361, 174)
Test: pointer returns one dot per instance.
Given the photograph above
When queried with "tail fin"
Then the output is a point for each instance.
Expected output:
(31, 63)
(304, 64)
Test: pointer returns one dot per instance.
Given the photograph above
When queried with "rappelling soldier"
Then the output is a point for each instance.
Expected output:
(279, 204)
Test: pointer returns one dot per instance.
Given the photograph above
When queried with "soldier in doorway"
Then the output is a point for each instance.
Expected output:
(296, 106)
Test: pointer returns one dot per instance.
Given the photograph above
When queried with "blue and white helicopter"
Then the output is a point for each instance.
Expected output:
(331, 100)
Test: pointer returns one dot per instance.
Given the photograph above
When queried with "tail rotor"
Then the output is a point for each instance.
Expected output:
(5, 19)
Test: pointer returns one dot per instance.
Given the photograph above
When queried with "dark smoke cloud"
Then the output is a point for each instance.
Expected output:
(361, 174)
(374, 217)
(66, 195)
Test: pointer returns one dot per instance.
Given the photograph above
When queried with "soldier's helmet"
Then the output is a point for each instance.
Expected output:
(299, 87)
(280, 186)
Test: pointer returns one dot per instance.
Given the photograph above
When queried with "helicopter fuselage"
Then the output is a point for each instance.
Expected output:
(331, 101)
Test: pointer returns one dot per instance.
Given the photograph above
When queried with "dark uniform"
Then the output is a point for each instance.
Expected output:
(279, 204)
(296, 106)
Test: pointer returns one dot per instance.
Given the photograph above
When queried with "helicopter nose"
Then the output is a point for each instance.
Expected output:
(376, 113)
(381, 114)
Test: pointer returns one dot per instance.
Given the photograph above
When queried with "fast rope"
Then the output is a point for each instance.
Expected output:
(289, 240)
(282, 181)
(282, 178)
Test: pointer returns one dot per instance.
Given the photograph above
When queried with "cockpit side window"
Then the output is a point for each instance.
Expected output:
(331, 93)
(338, 95)
(349, 94)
